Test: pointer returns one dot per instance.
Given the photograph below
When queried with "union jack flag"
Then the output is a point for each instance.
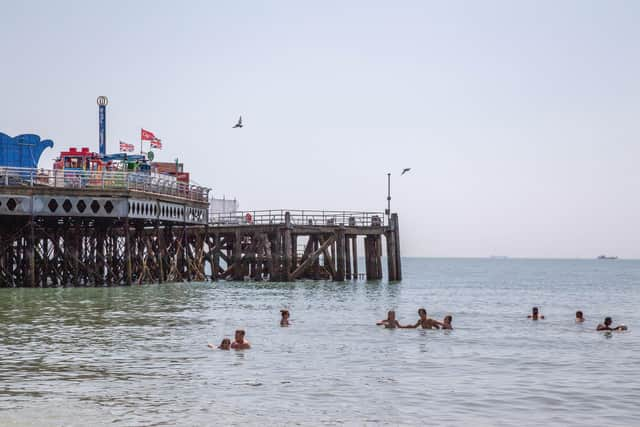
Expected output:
(126, 147)
(156, 143)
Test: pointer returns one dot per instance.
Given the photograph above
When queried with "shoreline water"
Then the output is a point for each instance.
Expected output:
(138, 356)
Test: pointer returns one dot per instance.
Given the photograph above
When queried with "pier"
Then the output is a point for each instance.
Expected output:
(102, 228)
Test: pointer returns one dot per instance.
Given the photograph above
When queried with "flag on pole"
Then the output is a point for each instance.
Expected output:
(126, 147)
(146, 135)
(156, 143)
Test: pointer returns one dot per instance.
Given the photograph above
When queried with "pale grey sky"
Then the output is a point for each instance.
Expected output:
(519, 119)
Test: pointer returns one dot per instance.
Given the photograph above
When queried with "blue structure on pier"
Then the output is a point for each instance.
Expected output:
(22, 151)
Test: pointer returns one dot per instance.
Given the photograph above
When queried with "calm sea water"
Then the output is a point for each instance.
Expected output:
(138, 356)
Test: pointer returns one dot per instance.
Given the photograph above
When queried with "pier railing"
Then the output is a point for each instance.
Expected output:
(105, 180)
(299, 217)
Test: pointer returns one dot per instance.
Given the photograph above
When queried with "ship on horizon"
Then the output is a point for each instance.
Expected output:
(607, 257)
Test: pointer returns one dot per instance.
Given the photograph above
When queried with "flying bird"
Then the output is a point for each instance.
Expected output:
(239, 124)
(405, 170)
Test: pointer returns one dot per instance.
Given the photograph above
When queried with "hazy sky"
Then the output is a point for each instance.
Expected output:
(520, 120)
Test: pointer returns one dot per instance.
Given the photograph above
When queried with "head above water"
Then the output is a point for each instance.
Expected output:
(391, 315)
(448, 319)
(422, 312)
(239, 335)
(579, 314)
(285, 313)
(607, 321)
(534, 310)
(225, 344)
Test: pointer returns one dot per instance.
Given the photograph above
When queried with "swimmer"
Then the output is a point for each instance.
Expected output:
(390, 322)
(607, 326)
(224, 345)
(579, 317)
(240, 343)
(285, 318)
(425, 322)
(534, 314)
(446, 323)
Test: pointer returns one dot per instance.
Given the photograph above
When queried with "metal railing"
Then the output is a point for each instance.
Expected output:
(299, 217)
(106, 180)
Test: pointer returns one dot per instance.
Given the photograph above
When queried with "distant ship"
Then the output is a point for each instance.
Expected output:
(499, 257)
(607, 257)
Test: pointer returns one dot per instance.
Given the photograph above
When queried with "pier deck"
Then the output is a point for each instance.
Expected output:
(62, 229)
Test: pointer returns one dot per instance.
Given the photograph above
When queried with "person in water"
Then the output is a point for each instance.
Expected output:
(224, 345)
(240, 343)
(425, 322)
(390, 322)
(446, 323)
(284, 321)
(607, 326)
(535, 315)
(579, 317)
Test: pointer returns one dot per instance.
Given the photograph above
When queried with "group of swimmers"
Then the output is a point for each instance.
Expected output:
(424, 321)
(605, 326)
(240, 343)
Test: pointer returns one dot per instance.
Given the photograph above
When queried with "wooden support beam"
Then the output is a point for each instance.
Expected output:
(215, 267)
(354, 247)
(287, 249)
(396, 233)
(391, 256)
(347, 258)
(277, 256)
(29, 255)
(127, 253)
(328, 262)
(76, 253)
(312, 257)
(162, 252)
(316, 262)
(340, 255)
(378, 256)
(100, 258)
(294, 253)
(237, 256)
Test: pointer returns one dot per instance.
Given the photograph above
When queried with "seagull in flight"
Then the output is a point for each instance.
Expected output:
(239, 124)
(405, 170)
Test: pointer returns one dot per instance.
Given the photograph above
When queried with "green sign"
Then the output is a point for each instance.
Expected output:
(150, 156)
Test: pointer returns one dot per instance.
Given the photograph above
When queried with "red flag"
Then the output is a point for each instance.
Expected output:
(156, 143)
(145, 135)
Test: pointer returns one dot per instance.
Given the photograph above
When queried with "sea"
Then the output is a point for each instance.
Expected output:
(138, 356)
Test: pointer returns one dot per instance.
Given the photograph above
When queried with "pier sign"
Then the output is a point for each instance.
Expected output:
(102, 123)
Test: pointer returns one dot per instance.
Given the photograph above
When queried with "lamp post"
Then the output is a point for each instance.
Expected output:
(388, 211)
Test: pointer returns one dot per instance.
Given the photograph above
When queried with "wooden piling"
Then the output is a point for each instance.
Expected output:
(354, 247)
(237, 256)
(368, 257)
(340, 254)
(288, 256)
(127, 252)
(29, 254)
(378, 257)
(396, 237)
(316, 260)
(347, 258)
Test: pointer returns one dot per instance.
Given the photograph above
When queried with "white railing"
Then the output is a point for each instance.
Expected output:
(299, 217)
(106, 180)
